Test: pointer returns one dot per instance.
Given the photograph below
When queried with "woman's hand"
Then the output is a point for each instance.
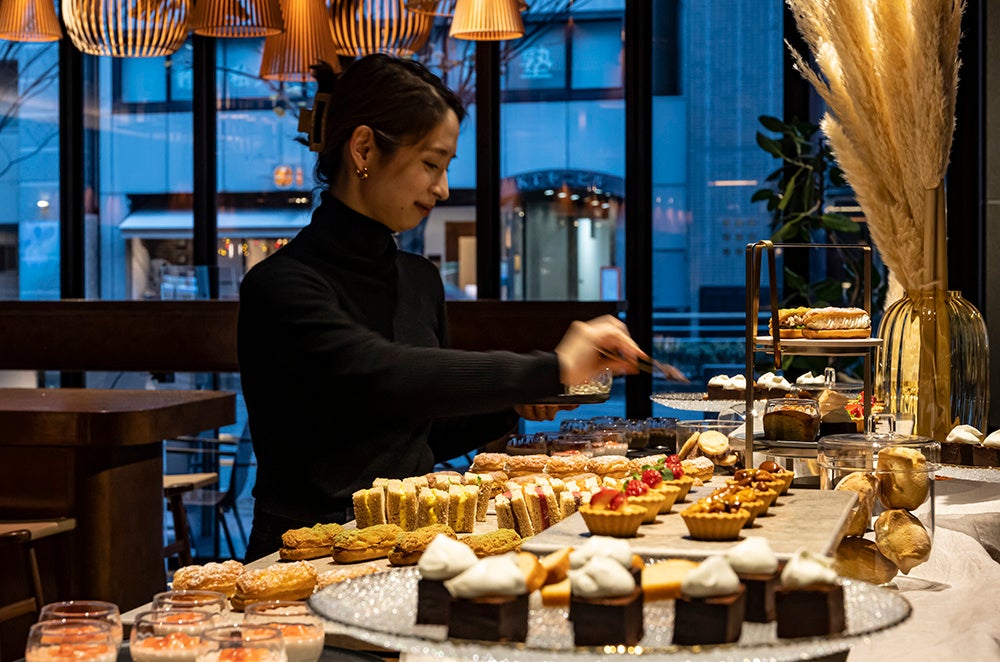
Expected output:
(589, 347)
(541, 412)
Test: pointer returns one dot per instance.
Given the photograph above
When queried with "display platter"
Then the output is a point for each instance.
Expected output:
(381, 609)
(802, 518)
(697, 402)
(827, 347)
(569, 399)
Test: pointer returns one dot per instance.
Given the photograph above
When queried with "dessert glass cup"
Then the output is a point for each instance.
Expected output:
(805, 405)
(662, 434)
(575, 425)
(85, 609)
(171, 635)
(301, 629)
(526, 444)
(571, 444)
(598, 384)
(71, 640)
(249, 642)
(901, 469)
(211, 602)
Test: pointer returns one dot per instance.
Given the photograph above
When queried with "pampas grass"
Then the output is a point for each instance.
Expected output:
(888, 71)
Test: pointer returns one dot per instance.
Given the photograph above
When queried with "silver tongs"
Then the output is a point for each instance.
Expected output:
(651, 365)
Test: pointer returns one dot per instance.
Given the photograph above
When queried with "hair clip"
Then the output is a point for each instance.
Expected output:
(312, 122)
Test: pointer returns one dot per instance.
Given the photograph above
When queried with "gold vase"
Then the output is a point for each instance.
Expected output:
(934, 362)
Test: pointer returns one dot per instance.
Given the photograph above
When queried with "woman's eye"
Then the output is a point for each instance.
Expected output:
(432, 166)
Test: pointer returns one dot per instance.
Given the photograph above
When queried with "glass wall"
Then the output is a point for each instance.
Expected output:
(29, 167)
(706, 166)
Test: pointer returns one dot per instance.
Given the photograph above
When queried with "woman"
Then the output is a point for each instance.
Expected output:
(341, 334)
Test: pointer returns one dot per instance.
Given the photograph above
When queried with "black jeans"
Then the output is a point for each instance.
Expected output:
(265, 536)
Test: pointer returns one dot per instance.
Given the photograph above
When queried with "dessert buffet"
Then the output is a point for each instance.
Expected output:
(544, 558)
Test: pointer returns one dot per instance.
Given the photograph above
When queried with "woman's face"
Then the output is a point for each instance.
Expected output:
(404, 186)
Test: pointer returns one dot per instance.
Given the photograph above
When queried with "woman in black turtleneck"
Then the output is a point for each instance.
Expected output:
(341, 335)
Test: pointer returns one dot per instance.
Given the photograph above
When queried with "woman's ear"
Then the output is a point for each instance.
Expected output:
(360, 147)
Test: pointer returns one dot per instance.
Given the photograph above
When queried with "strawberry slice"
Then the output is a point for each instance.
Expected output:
(602, 499)
(618, 501)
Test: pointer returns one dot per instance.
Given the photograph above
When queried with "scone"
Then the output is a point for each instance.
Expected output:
(701, 468)
(220, 577)
(903, 477)
(373, 542)
(859, 558)
(280, 581)
(309, 542)
(902, 539)
(410, 546)
(864, 485)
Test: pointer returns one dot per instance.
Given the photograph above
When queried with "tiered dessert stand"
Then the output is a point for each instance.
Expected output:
(777, 347)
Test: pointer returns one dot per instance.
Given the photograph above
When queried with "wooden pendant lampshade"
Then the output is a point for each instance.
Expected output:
(237, 18)
(362, 27)
(127, 28)
(487, 20)
(29, 20)
(446, 8)
(306, 40)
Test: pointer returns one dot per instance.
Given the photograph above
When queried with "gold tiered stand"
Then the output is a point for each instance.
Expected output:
(777, 346)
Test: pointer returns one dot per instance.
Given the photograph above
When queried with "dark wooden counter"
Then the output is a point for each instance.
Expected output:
(96, 455)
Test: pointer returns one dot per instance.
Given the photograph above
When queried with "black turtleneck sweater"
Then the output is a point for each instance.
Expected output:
(341, 341)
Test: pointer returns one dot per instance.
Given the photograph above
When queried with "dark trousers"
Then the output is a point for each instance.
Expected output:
(265, 536)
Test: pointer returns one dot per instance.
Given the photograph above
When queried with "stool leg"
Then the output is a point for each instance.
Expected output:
(182, 532)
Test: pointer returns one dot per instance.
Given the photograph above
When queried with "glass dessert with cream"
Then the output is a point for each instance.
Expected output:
(169, 635)
(71, 640)
(301, 629)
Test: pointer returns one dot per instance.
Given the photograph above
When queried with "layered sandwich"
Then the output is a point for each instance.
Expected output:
(829, 323)
(790, 322)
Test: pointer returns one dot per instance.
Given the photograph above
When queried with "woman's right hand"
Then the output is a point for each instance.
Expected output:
(589, 347)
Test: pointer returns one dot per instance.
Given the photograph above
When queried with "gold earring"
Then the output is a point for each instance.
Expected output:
(362, 172)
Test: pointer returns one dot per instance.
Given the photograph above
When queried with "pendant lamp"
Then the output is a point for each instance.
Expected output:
(446, 8)
(237, 18)
(363, 27)
(29, 20)
(305, 41)
(487, 20)
(126, 28)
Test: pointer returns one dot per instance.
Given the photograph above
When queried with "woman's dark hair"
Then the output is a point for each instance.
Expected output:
(400, 100)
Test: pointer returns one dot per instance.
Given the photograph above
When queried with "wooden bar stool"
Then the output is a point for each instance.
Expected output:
(181, 546)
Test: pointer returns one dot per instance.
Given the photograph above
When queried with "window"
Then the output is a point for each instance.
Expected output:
(29, 167)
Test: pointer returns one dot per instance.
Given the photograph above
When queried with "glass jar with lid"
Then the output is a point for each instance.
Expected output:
(891, 527)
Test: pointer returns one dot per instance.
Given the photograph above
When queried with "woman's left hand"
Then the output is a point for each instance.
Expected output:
(541, 412)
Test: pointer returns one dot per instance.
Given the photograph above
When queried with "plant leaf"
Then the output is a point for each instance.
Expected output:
(762, 194)
(839, 223)
(787, 195)
(786, 231)
(773, 124)
(769, 145)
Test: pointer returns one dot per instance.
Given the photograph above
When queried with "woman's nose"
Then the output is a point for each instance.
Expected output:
(440, 187)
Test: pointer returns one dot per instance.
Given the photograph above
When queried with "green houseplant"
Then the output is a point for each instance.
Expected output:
(796, 197)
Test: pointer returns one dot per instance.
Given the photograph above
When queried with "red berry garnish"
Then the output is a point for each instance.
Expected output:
(635, 488)
(618, 501)
(651, 477)
(672, 459)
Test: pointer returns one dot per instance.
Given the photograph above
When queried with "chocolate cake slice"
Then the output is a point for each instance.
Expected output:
(503, 618)
(715, 620)
(607, 621)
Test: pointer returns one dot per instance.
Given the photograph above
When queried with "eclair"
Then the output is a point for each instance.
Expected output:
(279, 581)
(220, 577)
